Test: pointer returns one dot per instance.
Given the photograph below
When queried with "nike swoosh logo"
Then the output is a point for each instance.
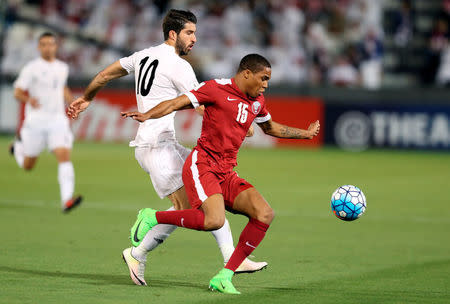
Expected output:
(248, 244)
(230, 99)
(139, 280)
(222, 285)
(136, 231)
(182, 220)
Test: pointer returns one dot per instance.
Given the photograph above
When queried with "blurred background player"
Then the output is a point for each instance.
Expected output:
(160, 74)
(231, 105)
(42, 87)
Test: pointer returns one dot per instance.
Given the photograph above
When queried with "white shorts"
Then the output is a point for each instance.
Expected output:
(52, 135)
(164, 164)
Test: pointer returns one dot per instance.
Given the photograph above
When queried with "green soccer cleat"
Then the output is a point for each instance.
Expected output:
(222, 282)
(146, 220)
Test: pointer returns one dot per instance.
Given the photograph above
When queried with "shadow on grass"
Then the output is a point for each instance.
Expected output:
(99, 279)
(353, 289)
(322, 290)
(110, 279)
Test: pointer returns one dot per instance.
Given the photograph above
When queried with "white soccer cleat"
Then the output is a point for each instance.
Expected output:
(136, 268)
(248, 266)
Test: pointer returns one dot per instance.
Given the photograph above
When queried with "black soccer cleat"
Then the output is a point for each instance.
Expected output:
(11, 149)
(72, 203)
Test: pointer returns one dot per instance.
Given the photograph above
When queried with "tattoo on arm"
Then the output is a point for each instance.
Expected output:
(278, 130)
(265, 126)
(288, 132)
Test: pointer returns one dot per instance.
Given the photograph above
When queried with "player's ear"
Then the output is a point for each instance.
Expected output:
(247, 73)
(173, 35)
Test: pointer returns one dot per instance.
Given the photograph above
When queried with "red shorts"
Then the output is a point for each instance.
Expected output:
(201, 181)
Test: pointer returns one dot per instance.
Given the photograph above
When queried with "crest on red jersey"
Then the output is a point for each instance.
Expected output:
(256, 107)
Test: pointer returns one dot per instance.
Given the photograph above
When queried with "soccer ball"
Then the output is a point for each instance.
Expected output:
(348, 203)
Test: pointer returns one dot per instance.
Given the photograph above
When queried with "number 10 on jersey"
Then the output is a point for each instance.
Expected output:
(143, 86)
(242, 113)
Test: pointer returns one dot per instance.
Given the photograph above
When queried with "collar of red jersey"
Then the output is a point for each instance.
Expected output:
(240, 93)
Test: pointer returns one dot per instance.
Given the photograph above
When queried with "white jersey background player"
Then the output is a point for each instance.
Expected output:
(160, 74)
(42, 86)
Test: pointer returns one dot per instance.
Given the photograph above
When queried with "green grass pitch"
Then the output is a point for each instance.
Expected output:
(398, 252)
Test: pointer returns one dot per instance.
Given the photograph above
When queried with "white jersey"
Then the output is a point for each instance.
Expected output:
(45, 81)
(160, 74)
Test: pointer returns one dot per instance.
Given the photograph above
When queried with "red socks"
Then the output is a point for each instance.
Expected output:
(250, 238)
(189, 218)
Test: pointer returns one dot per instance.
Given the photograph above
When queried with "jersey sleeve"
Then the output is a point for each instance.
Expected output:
(24, 80)
(185, 79)
(203, 94)
(128, 62)
(263, 115)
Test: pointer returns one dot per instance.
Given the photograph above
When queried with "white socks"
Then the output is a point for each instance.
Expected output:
(66, 175)
(160, 232)
(152, 239)
(224, 240)
(66, 179)
(18, 153)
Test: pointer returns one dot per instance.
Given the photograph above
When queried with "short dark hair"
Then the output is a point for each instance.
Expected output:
(254, 63)
(46, 34)
(175, 21)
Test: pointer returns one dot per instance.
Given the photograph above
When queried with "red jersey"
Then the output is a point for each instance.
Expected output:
(228, 115)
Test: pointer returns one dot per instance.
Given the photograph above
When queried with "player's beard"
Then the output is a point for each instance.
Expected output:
(181, 47)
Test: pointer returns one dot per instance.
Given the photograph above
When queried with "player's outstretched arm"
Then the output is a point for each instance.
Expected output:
(164, 108)
(22, 96)
(80, 104)
(278, 130)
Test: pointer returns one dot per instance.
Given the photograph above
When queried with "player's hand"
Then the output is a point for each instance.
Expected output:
(200, 110)
(34, 103)
(138, 116)
(77, 106)
(250, 131)
(314, 129)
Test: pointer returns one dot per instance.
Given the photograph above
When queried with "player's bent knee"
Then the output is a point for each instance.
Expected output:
(266, 215)
(177, 205)
(214, 223)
